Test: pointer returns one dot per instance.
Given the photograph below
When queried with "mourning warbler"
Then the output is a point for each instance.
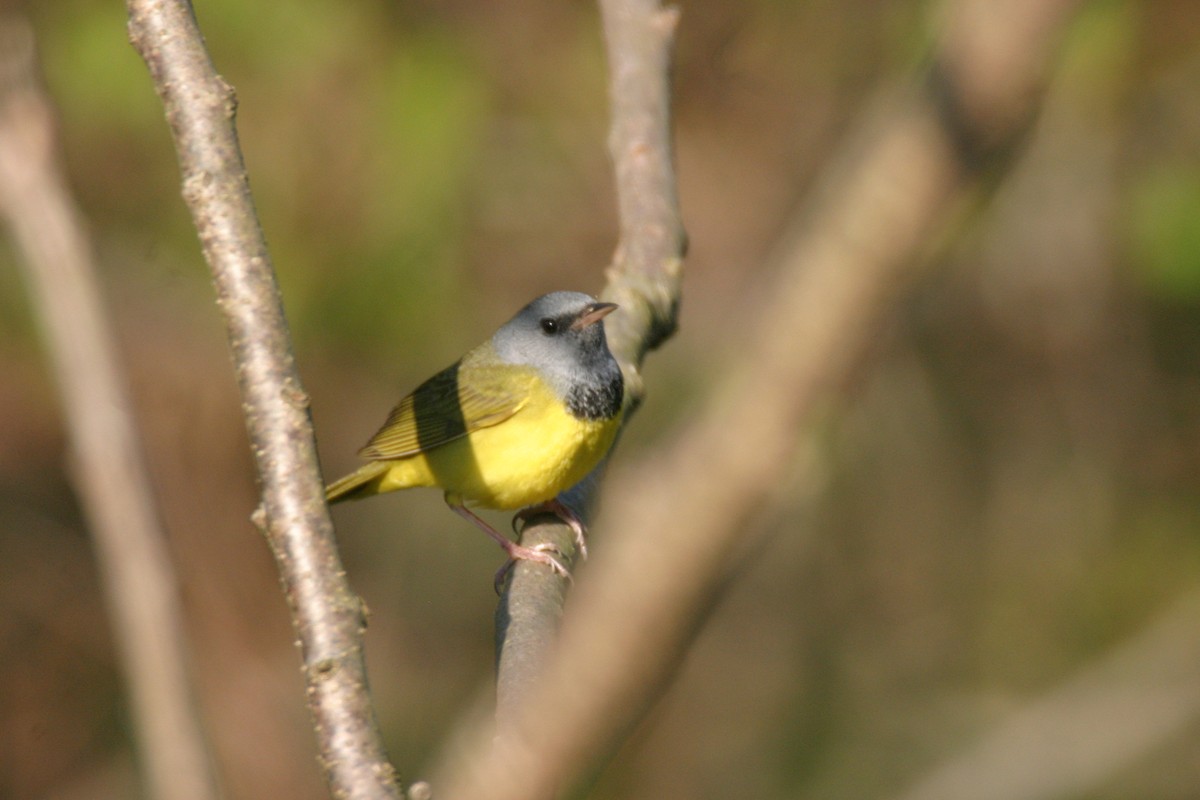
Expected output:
(519, 419)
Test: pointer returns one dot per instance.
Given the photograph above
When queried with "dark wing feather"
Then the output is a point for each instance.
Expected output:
(459, 399)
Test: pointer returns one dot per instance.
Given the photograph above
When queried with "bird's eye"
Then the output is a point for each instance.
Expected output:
(549, 326)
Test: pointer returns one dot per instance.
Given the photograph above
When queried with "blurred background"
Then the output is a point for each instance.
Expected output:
(1011, 485)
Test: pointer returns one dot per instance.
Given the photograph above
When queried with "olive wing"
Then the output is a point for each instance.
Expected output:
(448, 406)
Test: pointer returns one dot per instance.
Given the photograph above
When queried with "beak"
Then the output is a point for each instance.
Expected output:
(593, 313)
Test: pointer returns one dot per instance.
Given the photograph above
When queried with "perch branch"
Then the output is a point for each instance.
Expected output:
(644, 280)
(328, 617)
(109, 471)
(677, 522)
(647, 269)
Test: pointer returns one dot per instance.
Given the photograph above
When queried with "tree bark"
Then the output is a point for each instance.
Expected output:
(329, 618)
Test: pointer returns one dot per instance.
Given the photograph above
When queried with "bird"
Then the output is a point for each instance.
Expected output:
(512, 424)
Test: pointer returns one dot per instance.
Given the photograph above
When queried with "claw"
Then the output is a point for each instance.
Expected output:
(539, 553)
(564, 513)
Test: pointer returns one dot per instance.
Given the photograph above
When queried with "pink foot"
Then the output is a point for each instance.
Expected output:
(561, 511)
(540, 553)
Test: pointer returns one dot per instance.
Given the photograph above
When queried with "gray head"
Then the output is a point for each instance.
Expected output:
(561, 336)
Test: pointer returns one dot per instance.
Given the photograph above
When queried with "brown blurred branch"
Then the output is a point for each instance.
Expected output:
(647, 269)
(108, 467)
(1097, 724)
(644, 280)
(527, 618)
(327, 615)
(677, 522)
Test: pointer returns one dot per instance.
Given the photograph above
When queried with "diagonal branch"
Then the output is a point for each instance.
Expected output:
(109, 470)
(677, 523)
(328, 617)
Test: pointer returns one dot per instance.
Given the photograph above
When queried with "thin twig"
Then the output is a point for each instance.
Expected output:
(327, 615)
(647, 270)
(644, 280)
(109, 470)
(677, 523)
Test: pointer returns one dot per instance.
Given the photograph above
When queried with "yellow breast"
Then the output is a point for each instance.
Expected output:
(524, 460)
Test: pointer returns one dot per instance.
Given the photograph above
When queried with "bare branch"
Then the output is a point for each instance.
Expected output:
(109, 471)
(328, 617)
(676, 524)
(644, 280)
(527, 618)
(647, 268)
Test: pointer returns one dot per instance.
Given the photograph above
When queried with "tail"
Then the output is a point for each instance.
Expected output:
(363, 482)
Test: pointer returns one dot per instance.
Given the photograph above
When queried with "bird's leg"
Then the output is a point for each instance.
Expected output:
(563, 512)
(515, 551)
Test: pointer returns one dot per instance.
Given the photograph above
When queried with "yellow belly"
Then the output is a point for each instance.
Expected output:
(524, 460)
